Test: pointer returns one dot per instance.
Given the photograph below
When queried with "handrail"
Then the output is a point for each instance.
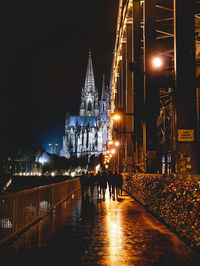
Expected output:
(33, 189)
(20, 210)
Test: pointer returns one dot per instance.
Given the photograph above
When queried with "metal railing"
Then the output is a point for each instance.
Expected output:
(21, 209)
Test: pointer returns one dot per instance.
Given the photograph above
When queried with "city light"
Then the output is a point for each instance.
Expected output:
(116, 117)
(73, 174)
(117, 143)
(98, 168)
(157, 62)
(110, 142)
(113, 151)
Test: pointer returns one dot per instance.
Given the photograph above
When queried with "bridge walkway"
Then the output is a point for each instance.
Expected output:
(94, 231)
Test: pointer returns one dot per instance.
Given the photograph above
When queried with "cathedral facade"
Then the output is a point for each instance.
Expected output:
(87, 133)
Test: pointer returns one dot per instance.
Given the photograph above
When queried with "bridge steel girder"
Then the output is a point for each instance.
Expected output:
(185, 91)
(151, 90)
(146, 28)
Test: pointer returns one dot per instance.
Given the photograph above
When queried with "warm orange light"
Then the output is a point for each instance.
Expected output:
(113, 151)
(106, 156)
(117, 143)
(108, 152)
(110, 155)
(157, 62)
(110, 142)
(116, 117)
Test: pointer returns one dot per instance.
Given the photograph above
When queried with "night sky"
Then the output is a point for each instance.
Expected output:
(44, 53)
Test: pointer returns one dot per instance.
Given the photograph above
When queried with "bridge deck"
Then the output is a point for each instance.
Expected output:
(99, 232)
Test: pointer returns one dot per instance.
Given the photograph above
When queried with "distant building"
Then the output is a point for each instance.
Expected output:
(20, 166)
(53, 148)
(87, 133)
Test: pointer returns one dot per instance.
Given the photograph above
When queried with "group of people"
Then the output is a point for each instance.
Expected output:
(102, 181)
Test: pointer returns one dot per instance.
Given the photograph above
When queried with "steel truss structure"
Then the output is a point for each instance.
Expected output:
(156, 103)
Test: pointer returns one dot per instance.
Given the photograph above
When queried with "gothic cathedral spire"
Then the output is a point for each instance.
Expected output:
(89, 97)
(104, 102)
(89, 80)
(87, 133)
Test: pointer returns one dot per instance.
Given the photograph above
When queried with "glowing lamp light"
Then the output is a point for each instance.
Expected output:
(116, 117)
(97, 168)
(110, 142)
(73, 174)
(117, 143)
(108, 152)
(157, 62)
(106, 156)
(113, 151)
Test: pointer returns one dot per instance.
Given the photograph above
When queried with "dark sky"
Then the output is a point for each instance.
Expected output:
(44, 53)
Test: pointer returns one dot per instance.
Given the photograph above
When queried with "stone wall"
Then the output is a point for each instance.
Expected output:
(174, 199)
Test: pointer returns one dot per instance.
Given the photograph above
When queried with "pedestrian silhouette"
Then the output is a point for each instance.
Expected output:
(114, 185)
(98, 182)
(103, 183)
(83, 181)
(92, 183)
(119, 184)
(110, 180)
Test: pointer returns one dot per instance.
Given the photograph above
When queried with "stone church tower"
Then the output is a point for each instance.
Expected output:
(87, 133)
(89, 97)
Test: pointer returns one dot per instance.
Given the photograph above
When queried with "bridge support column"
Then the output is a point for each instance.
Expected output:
(151, 92)
(185, 135)
(129, 99)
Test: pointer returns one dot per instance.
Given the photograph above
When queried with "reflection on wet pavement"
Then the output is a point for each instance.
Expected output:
(99, 232)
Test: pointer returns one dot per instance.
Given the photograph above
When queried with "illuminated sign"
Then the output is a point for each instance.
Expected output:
(185, 134)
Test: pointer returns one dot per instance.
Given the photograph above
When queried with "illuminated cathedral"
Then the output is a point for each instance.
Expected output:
(87, 133)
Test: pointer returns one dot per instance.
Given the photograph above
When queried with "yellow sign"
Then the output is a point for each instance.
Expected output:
(185, 134)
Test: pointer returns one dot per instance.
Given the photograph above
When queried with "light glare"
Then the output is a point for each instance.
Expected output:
(157, 62)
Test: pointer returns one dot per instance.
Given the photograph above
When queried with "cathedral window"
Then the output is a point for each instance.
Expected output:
(89, 106)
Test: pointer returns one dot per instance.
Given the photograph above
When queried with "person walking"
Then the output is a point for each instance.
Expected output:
(119, 184)
(110, 179)
(114, 185)
(83, 181)
(92, 182)
(98, 182)
(103, 183)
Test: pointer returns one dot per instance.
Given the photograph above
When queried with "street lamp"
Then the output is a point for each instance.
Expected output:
(110, 142)
(116, 117)
(157, 62)
(117, 143)
(113, 151)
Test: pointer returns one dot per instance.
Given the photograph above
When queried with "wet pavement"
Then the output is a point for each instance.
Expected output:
(94, 231)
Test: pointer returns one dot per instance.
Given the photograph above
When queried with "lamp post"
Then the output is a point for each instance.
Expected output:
(155, 68)
(118, 116)
(113, 152)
